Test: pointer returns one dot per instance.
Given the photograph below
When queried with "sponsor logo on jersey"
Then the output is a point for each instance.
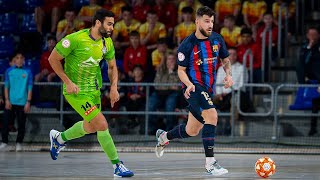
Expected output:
(66, 43)
(90, 62)
(90, 110)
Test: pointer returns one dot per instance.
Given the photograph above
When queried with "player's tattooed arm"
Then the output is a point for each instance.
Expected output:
(227, 66)
(228, 82)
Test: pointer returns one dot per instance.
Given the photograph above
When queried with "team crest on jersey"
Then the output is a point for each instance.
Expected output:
(215, 48)
(66, 43)
(181, 56)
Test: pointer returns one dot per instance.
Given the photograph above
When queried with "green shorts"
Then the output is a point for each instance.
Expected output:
(87, 105)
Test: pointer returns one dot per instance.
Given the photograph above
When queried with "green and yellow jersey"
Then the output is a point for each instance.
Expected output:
(82, 57)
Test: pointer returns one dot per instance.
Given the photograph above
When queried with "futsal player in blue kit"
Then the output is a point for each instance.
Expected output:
(198, 56)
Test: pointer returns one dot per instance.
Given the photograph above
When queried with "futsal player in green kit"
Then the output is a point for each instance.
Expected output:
(82, 51)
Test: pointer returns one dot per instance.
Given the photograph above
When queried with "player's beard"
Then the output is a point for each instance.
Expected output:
(203, 32)
(104, 33)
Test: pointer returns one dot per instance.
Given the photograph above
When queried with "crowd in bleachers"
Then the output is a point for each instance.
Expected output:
(146, 35)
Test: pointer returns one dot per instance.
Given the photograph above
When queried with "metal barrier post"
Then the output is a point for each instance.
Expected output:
(279, 29)
(269, 56)
(248, 52)
(232, 113)
(297, 17)
(147, 110)
(275, 134)
(256, 114)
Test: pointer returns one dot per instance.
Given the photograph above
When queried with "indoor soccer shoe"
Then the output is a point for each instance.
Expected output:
(121, 171)
(215, 169)
(55, 147)
(159, 150)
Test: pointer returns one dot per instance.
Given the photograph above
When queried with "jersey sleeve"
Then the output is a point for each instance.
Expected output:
(184, 53)
(110, 54)
(66, 45)
(223, 52)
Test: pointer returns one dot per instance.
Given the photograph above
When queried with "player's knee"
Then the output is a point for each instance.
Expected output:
(102, 126)
(210, 116)
(192, 131)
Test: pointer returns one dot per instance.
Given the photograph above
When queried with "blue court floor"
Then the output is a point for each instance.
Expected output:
(94, 165)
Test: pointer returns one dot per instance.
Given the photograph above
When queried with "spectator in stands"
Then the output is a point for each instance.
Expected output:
(291, 5)
(252, 11)
(140, 10)
(46, 72)
(269, 28)
(186, 27)
(308, 65)
(136, 97)
(116, 7)
(167, 13)
(18, 93)
(224, 96)
(135, 54)
(123, 28)
(52, 9)
(247, 43)
(159, 54)
(151, 31)
(230, 32)
(68, 25)
(165, 95)
(225, 8)
(86, 12)
(195, 4)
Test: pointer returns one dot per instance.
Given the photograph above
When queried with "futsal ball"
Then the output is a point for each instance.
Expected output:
(265, 167)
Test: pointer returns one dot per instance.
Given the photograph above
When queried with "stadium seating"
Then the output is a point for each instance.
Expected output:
(4, 65)
(6, 46)
(8, 23)
(28, 23)
(28, 6)
(6, 5)
(304, 98)
(33, 64)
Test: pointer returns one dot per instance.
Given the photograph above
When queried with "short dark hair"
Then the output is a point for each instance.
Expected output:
(205, 10)
(100, 15)
(246, 31)
(317, 28)
(162, 41)
(134, 33)
(126, 8)
(51, 37)
(187, 9)
(230, 17)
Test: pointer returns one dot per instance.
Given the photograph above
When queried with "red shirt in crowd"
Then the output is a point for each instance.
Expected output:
(44, 63)
(274, 35)
(133, 57)
(256, 51)
(167, 14)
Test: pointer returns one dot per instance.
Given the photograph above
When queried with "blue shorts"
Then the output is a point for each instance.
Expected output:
(199, 100)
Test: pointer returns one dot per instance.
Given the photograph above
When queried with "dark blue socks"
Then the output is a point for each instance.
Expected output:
(178, 132)
(208, 134)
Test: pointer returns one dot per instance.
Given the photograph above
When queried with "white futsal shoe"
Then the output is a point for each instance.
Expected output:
(215, 169)
(159, 150)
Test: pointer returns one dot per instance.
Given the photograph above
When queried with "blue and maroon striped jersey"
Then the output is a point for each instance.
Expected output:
(200, 57)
